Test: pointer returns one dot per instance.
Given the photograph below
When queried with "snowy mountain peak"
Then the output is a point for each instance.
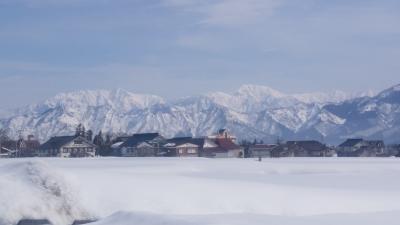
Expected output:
(251, 112)
(390, 93)
(118, 98)
(258, 91)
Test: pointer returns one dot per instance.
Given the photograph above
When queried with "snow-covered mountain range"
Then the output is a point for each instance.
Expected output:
(251, 112)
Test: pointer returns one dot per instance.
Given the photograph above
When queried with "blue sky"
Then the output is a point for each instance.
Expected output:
(176, 48)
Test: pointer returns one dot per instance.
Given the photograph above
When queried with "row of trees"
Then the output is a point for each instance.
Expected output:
(102, 141)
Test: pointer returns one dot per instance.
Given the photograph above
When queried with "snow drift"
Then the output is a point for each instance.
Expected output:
(186, 191)
(34, 190)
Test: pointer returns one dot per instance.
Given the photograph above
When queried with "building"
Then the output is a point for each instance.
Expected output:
(184, 146)
(8, 148)
(223, 148)
(6, 152)
(397, 150)
(223, 134)
(302, 149)
(142, 145)
(222, 145)
(28, 147)
(261, 150)
(67, 147)
(361, 148)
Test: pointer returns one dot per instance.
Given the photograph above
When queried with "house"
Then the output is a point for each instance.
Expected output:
(8, 149)
(225, 148)
(261, 150)
(184, 146)
(20, 148)
(361, 148)
(6, 152)
(142, 145)
(28, 147)
(223, 134)
(302, 149)
(67, 147)
(397, 150)
(222, 145)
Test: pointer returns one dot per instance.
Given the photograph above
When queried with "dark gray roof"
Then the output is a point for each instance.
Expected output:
(351, 142)
(308, 145)
(183, 140)
(57, 142)
(136, 139)
(376, 143)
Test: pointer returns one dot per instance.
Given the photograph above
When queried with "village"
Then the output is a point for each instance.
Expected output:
(220, 145)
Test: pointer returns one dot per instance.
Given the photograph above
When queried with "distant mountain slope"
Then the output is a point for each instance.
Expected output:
(251, 112)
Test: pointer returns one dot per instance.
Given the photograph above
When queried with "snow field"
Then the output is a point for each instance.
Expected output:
(201, 191)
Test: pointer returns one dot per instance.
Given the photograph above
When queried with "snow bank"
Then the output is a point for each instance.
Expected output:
(129, 218)
(152, 191)
(34, 190)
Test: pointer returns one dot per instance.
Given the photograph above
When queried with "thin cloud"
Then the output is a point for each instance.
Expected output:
(42, 3)
(229, 13)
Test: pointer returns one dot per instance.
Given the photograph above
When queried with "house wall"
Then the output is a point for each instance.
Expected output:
(77, 149)
(187, 151)
(235, 153)
(72, 149)
(138, 152)
(265, 153)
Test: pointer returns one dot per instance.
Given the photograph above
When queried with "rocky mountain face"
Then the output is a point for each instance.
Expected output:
(251, 112)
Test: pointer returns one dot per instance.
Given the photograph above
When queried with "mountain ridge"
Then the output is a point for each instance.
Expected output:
(251, 112)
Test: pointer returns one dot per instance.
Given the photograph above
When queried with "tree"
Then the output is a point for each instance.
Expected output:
(255, 141)
(98, 139)
(4, 135)
(108, 140)
(89, 135)
(78, 130)
(278, 141)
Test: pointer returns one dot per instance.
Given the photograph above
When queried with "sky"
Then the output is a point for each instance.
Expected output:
(176, 48)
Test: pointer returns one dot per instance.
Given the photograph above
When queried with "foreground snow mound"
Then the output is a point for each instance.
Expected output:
(131, 218)
(187, 191)
(34, 190)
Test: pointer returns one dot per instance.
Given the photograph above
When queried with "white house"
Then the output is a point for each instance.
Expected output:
(67, 147)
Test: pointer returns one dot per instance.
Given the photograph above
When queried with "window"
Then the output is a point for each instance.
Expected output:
(78, 142)
(192, 151)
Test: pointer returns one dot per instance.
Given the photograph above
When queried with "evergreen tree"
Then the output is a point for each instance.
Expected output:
(78, 130)
(98, 139)
(108, 140)
(83, 132)
(89, 135)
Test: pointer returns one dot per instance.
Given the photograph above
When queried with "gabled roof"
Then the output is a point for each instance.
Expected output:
(57, 142)
(308, 145)
(184, 140)
(226, 144)
(351, 142)
(136, 139)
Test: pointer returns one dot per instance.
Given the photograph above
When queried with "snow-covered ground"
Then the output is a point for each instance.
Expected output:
(174, 191)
